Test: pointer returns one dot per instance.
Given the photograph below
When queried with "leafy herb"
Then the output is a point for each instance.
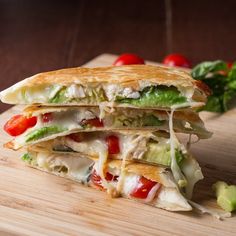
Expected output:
(222, 81)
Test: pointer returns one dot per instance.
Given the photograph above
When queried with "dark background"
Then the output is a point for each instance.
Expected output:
(41, 35)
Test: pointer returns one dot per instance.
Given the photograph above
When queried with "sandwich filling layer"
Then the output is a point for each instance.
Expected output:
(52, 121)
(144, 147)
(157, 189)
(138, 86)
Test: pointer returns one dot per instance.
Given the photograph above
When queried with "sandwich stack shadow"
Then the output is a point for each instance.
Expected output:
(113, 128)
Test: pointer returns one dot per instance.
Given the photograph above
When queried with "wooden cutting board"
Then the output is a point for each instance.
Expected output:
(36, 203)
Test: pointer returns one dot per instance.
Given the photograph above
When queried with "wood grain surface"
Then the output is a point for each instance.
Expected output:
(36, 203)
(44, 35)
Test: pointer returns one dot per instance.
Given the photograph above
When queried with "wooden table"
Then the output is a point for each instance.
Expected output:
(44, 35)
(36, 203)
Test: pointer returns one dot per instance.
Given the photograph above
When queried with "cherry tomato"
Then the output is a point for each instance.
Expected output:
(47, 117)
(97, 180)
(143, 188)
(96, 122)
(128, 59)
(177, 60)
(113, 144)
(229, 64)
(76, 137)
(18, 124)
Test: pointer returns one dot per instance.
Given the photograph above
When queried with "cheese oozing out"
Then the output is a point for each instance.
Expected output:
(190, 173)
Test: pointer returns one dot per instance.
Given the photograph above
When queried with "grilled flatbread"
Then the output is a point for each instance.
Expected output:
(160, 189)
(60, 121)
(138, 86)
(143, 147)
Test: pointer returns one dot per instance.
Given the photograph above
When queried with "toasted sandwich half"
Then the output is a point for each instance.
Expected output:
(50, 122)
(143, 147)
(145, 183)
(137, 86)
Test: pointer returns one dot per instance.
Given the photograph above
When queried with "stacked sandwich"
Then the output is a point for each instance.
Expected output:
(112, 128)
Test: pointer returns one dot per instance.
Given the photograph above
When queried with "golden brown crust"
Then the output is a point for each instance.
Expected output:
(123, 75)
(148, 171)
(203, 87)
(126, 76)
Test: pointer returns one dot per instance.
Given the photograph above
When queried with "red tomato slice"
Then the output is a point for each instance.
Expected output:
(47, 117)
(177, 60)
(96, 122)
(128, 59)
(75, 137)
(143, 188)
(97, 180)
(110, 177)
(113, 144)
(18, 124)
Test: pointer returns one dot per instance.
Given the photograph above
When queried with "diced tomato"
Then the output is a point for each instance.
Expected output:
(110, 177)
(97, 180)
(143, 188)
(18, 124)
(128, 59)
(113, 144)
(76, 137)
(95, 122)
(47, 117)
(177, 60)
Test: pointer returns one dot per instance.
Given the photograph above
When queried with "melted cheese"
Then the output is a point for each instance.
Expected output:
(105, 107)
(179, 177)
(190, 167)
(75, 91)
(130, 183)
(193, 174)
(78, 167)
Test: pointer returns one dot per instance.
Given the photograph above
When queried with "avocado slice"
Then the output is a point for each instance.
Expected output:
(43, 132)
(152, 120)
(226, 195)
(59, 96)
(156, 95)
(161, 154)
(26, 158)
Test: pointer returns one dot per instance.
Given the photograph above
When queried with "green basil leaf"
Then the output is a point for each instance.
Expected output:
(227, 97)
(213, 104)
(203, 69)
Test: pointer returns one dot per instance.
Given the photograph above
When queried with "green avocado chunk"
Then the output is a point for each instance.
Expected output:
(226, 195)
(59, 97)
(26, 157)
(152, 120)
(43, 132)
(161, 154)
(162, 96)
